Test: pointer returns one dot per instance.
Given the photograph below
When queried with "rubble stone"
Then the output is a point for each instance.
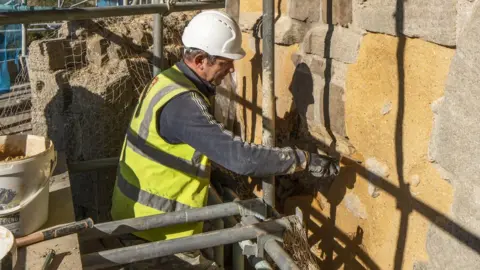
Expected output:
(341, 12)
(305, 11)
(431, 20)
(344, 43)
(289, 31)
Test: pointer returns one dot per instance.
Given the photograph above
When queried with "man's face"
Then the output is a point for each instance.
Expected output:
(214, 73)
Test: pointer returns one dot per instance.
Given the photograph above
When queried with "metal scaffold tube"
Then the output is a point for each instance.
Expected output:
(281, 258)
(121, 256)
(174, 218)
(28, 15)
(268, 104)
(238, 257)
(157, 42)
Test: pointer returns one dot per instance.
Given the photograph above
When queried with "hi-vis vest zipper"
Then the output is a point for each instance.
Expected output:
(155, 176)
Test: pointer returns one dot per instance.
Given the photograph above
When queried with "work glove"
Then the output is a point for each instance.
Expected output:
(322, 166)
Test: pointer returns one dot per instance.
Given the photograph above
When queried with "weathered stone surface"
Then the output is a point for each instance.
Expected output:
(340, 13)
(47, 54)
(355, 206)
(455, 146)
(289, 31)
(49, 91)
(248, 20)
(376, 170)
(343, 43)
(97, 51)
(318, 65)
(464, 10)
(432, 20)
(141, 37)
(309, 91)
(305, 11)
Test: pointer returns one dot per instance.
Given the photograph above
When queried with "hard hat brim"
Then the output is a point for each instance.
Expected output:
(234, 56)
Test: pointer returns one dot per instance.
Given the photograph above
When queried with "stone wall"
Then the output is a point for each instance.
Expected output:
(84, 89)
(359, 78)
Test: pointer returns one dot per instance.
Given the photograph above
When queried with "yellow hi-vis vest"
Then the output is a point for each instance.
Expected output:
(155, 176)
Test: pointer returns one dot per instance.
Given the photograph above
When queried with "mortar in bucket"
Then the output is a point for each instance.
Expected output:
(26, 164)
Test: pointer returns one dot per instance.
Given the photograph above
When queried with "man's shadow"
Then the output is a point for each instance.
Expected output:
(331, 191)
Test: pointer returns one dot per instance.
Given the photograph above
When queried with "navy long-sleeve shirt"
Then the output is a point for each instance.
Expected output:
(186, 119)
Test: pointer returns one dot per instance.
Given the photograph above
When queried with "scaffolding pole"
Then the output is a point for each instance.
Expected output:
(157, 42)
(121, 256)
(253, 206)
(22, 16)
(24, 35)
(268, 104)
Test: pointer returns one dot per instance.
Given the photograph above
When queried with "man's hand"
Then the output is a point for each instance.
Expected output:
(322, 166)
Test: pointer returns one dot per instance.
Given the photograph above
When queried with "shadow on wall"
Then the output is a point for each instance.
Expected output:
(77, 123)
(329, 238)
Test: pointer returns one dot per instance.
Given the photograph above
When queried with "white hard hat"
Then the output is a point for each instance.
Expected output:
(215, 33)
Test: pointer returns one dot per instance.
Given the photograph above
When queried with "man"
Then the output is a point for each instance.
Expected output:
(165, 162)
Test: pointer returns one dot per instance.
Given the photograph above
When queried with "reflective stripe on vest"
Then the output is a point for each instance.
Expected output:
(140, 146)
(148, 199)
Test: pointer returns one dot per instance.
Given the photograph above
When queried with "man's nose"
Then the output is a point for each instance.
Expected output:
(232, 68)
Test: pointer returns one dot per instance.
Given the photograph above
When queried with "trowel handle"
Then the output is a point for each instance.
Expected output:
(55, 232)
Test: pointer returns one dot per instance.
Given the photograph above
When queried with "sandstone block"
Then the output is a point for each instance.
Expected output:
(47, 55)
(305, 11)
(431, 20)
(464, 10)
(343, 44)
(97, 51)
(318, 65)
(340, 12)
(289, 31)
(309, 93)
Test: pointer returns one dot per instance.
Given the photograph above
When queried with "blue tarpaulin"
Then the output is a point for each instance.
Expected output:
(10, 49)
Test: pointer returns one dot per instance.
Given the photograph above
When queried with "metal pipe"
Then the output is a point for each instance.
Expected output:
(148, 251)
(219, 252)
(157, 42)
(255, 262)
(125, 226)
(35, 14)
(92, 165)
(79, 3)
(237, 252)
(24, 35)
(268, 104)
(281, 258)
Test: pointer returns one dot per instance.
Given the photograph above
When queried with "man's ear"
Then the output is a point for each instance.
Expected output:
(198, 61)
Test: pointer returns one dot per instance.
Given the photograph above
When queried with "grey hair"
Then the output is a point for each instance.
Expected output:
(190, 53)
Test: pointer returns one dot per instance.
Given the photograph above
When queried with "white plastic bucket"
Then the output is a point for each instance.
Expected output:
(8, 250)
(29, 217)
(22, 179)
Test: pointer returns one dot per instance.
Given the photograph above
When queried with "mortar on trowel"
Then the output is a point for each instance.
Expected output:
(26, 165)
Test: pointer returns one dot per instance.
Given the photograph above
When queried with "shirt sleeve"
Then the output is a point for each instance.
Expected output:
(185, 119)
